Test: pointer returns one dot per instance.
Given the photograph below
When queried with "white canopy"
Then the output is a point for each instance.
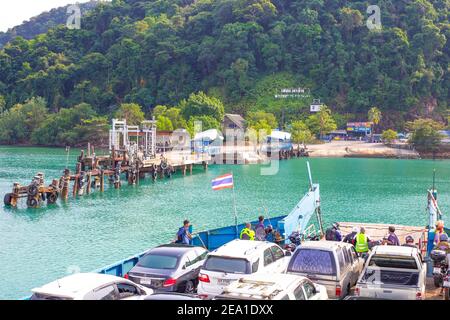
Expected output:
(280, 135)
(211, 135)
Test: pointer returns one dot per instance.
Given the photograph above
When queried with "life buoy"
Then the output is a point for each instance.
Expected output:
(164, 165)
(32, 190)
(32, 202)
(7, 199)
(52, 197)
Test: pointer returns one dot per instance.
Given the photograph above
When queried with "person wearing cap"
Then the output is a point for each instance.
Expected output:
(409, 242)
(350, 238)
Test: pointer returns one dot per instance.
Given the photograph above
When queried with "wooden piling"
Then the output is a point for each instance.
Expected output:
(102, 180)
(88, 186)
(75, 186)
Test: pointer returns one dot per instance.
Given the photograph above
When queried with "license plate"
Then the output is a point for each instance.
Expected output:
(146, 281)
(446, 284)
(436, 270)
(223, 282)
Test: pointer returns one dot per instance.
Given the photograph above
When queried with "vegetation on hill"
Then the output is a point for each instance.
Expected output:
(42, 23)
(240, 53)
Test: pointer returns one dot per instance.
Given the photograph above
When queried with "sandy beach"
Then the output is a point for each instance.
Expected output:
(359, 149)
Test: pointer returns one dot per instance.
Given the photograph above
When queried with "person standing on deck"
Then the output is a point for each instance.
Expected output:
(183, 234)
(260, 230)
(439, 231)
(351, 237)
(362, 242)
(392, 239)
(333, 233)
(247, 233)
(409, 242)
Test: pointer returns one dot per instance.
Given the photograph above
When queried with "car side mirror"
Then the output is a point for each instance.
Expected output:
(288, 254)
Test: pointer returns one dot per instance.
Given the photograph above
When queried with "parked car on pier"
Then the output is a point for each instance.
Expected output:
(262, 286)
(171, 296)
(170, 267)
(394, 273)
(91, 286)
(332, 264)
(236, 258)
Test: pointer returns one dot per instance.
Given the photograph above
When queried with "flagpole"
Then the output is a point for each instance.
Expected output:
(235, 211)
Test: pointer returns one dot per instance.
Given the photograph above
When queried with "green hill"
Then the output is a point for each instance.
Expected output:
(42, 23)
(243, 52)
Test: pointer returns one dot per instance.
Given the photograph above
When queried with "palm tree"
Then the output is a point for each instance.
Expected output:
(375, 116)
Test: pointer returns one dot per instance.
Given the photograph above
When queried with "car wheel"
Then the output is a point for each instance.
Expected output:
(189, 287)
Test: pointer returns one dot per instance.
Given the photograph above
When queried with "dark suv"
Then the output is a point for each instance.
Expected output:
(171, 267)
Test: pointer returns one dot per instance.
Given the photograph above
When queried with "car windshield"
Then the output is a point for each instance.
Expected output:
(156, 261)
(227, 265)
(397, 262)
(313, 261)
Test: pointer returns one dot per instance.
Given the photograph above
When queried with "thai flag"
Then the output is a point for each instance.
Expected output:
(223, 182)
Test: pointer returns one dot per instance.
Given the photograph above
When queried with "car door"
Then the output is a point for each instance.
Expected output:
(299, 293)
(127, 291)
(279, 259)
(310, 290)
(191, 265)
(268, 260)
(108, 292)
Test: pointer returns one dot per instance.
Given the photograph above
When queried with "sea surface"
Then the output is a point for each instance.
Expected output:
(39, 245)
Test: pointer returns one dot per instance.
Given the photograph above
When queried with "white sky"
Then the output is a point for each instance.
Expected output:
(14, 12)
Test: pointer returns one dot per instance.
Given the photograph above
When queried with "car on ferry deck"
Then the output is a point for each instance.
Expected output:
(393, 273)
(237, 258)
(260, 286)
(91, 286)
(169, 267)
(330, 263)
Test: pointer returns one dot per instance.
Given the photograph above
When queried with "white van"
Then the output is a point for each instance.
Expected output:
(394, 273)
(262, 286)
(236, 258)
(330, 263)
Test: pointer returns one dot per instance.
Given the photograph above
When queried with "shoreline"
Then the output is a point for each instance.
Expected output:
(334, 149)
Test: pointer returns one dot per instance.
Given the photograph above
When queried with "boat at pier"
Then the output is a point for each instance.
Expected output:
(300, 220)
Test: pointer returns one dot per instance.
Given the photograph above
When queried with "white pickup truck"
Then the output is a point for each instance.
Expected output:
(394, 273)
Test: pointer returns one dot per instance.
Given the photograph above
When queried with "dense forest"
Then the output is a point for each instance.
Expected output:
(42, 23)
(240, 53)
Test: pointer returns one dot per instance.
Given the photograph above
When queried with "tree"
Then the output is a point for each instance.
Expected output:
(425, 134)
(199, 104)
(2, 104)
(322, 122)
(300, 132)
(71, 126)
(261, 118)
(389, 136)
(18, 123)
(207, 122)
(374, 116)
(164, 124)
(131, 112)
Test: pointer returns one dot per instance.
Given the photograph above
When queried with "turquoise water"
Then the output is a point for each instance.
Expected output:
(38, 246)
